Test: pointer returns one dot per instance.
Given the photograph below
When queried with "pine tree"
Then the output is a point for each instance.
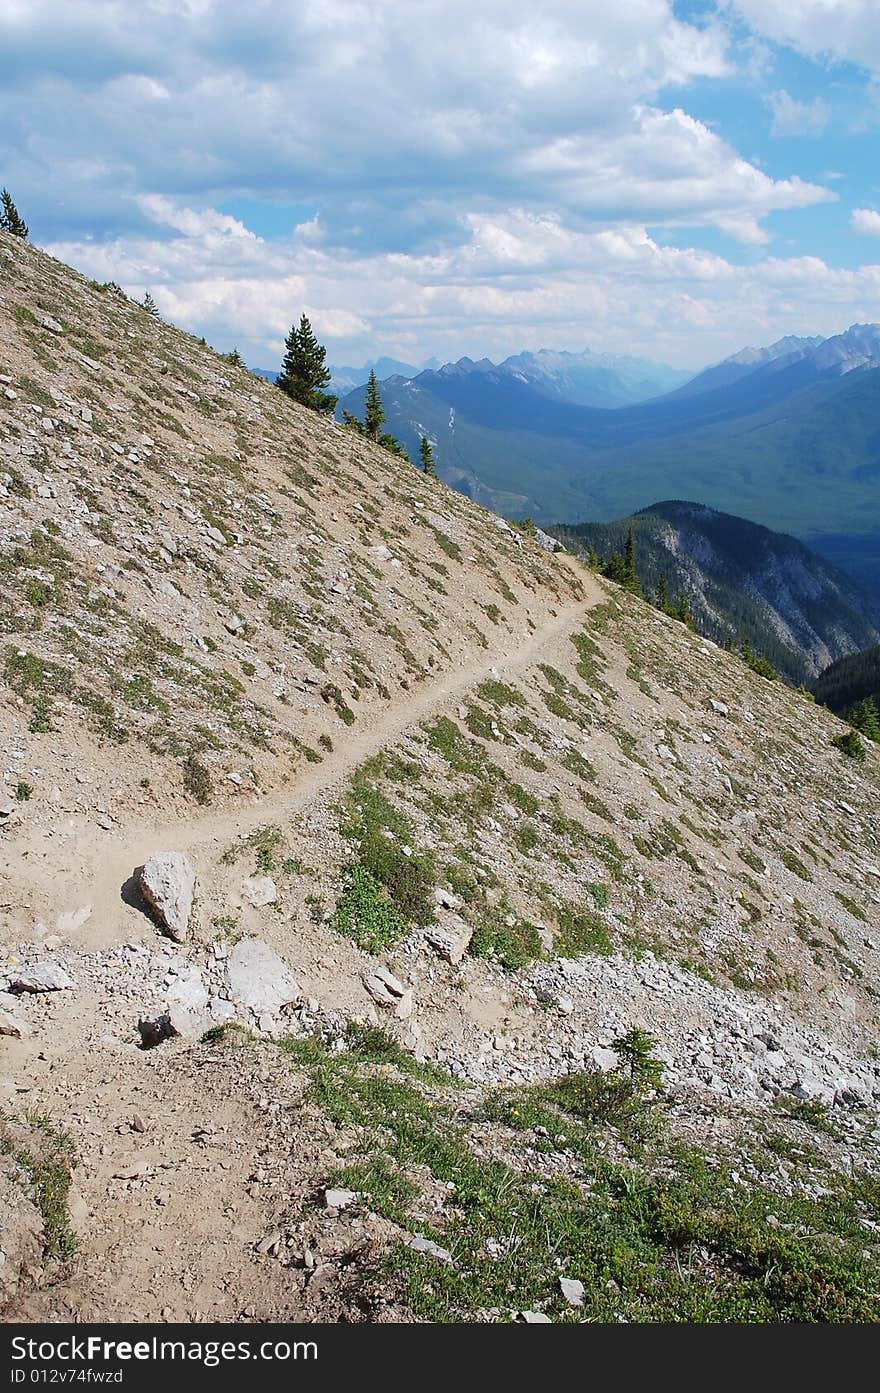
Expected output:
(427, 463)
(393, 446)
(304, 374)
(662, 601)
(865, 718)
(684, 612)
(149, 304)
(233, 357)
(630, 570)
(10, 218)
(374, 415)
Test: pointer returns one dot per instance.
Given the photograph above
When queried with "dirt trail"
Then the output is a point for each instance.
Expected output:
(94, 866)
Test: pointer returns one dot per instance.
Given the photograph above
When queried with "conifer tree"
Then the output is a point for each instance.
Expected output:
(662, 600)
(10, 218)
(865, 718)
(149, 304)
(374, 415)
(304, 374)
(427, 463)
(629, 559)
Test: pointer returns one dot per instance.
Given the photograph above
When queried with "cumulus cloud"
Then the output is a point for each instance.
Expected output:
(392, 123)
(457, 174)
(791, 117)
(512, 280)
(837, 29)
(865, 220)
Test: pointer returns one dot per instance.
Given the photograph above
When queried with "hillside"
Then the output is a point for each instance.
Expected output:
(456, 819)
(849, 680)
(788, 441)
(743, 583)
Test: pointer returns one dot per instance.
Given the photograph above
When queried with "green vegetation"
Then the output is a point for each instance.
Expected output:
(757, 662)
(850, 744)
(374, 418)
(46, 1154)
(512, 945)
(10, 219)
(385, 848)
(845, 684)
(304, 373)
(196, 778)
(656, 1230)
(366, 912)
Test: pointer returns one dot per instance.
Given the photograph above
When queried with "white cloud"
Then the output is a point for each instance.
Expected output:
(865, 220)
(791, 117)
(369, 111)
(457, 175)
(513, 280)
(836, 29)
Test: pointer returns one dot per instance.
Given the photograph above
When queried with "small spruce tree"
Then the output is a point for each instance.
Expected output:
(149, 304)
(427, 463)
(10, 219)
(630, 571)
(374, 415)
(864, 717)
(304, 373)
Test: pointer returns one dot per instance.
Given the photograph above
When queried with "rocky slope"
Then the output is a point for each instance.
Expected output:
(458, 817)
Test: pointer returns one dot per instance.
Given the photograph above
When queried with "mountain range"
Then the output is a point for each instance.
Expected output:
(788, 436)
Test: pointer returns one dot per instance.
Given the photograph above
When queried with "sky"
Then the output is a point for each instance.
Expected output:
(674, 179)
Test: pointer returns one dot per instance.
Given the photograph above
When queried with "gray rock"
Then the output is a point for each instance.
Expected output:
(572, 1290)
(47, 322)
(167, 882)
(259, 979)
(386, 990)
(339, 1199)
(604, 1059)
(546, 541)
(452, 940)
(445, 898)
(259, 890)
(11, 1025)
(73, 919)
(42, 977)
(188, 991)
(420, 1244)
(534, 1318)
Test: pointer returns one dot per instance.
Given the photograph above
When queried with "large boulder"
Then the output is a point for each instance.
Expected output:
(258, 979)
(167, 882)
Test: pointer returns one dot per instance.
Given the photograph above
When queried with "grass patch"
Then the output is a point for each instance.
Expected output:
(46, 1154)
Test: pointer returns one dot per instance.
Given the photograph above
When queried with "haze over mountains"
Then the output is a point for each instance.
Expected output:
(788, 436)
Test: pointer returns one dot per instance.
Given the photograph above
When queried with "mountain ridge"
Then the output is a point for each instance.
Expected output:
(743, 583)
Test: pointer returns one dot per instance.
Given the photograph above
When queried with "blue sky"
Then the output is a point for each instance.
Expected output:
(675, 180)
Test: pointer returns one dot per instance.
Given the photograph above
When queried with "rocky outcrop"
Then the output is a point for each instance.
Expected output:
(167, 882)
